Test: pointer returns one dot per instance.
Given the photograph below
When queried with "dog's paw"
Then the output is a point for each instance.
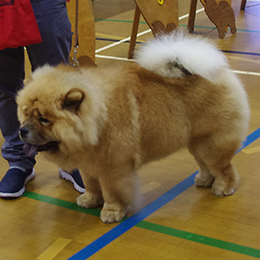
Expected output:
(203, 182)
(111, 214)
(89, 200)
(220, 190)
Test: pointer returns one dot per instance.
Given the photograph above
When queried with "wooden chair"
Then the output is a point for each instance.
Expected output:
(219, 12)
(160, 16)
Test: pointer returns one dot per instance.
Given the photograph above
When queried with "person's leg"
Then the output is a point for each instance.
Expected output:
(21, 166)
(12, 149)
(55, 29)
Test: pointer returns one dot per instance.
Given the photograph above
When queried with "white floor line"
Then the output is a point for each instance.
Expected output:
(139, 34)
(147, 31)
(187, 15)
(111, 57)
(125, 59)
(122, 41)
(247, 72)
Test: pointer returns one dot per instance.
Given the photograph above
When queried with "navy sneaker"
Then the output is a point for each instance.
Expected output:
(13, 183)
(73, 177)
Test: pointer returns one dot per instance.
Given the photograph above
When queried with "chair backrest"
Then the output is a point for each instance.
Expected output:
(221, 14)
(160, 15)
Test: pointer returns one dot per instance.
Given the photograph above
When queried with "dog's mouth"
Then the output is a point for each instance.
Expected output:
(30, 149)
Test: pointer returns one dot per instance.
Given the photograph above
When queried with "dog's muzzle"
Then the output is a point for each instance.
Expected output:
(31, 149)
(23, 132)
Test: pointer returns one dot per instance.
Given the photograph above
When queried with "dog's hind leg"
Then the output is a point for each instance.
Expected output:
(203, 178)
(216, 155)
(92, 197)
(226, 179)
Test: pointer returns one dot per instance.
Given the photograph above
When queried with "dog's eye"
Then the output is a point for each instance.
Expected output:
(44, 121)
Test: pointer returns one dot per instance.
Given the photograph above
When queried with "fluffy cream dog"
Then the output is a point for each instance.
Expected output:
(108, 122)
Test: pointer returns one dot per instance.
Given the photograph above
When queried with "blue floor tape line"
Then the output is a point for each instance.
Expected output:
(250, 139)
(242, 52)
(133, 220)
(130, 222)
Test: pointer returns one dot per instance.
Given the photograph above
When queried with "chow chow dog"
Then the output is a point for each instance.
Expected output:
(108, 122)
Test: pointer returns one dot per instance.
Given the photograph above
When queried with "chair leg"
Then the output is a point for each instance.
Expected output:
(134, 32)
(192, 15)
(243, 5)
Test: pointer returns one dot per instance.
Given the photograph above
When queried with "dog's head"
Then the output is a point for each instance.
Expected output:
(57, 111)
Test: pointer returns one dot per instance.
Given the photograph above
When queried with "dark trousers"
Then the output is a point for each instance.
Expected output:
(55, 29)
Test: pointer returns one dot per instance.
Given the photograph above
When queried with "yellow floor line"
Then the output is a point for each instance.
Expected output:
(54, 249)
(109, 36)
(251, 150)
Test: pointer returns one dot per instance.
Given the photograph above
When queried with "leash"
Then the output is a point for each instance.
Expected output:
(76, 40)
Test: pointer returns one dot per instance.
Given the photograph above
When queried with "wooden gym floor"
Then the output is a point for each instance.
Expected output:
(178, 221)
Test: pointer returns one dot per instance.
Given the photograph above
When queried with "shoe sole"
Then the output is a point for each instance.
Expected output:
(21, 191)
(68, 177)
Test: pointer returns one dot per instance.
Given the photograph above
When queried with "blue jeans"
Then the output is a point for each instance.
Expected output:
(55, 29)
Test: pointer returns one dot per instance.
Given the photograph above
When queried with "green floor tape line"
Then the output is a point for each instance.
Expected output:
(200, 239)
(152, 227)
(61, 203)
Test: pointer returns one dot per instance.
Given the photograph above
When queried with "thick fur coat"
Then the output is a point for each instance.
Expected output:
(108, 122)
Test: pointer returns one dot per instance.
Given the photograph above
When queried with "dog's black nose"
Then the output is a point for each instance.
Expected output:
(23, 131)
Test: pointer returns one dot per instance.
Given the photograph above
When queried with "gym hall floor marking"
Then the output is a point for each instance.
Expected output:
(138, 219)
(54, 249)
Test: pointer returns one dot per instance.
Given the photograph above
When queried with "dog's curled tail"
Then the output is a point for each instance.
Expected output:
(180, 54)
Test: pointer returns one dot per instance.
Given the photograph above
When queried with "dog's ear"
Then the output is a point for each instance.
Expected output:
(73, 100)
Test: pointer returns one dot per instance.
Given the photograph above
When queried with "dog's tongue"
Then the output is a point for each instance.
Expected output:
(30, 149)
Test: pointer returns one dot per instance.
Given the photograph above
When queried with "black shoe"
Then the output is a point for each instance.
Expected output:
(13, 183)
(75, 178)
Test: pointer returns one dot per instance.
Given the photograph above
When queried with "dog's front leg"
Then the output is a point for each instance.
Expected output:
(92, 197)
(119, 192)
(113, 212)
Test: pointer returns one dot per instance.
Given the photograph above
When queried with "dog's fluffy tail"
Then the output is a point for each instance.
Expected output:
(180, 54)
